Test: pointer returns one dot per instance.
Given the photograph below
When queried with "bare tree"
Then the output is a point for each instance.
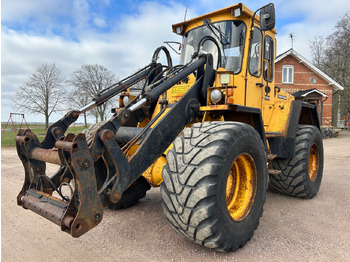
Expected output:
(43, 92)
(334, 61)
(317, 47)
(88, 81)
(77, 99)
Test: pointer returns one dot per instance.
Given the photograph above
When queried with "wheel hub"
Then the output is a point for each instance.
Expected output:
(313, 162)
(241, 187)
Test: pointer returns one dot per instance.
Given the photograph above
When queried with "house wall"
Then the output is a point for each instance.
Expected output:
(302, 81)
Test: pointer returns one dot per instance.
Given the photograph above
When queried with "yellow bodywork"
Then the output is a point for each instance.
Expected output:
(154, 173)
(243, 89)
(247, 91)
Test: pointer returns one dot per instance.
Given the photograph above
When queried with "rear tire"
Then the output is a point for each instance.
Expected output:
(215, 183)
(302, 174)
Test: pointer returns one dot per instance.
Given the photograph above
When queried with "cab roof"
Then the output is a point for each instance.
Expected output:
(225, 11)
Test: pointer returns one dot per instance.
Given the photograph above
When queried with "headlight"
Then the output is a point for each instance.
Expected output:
(237, 12)
(215, 95)
(178, 30)
(126, 100)
(225, 79)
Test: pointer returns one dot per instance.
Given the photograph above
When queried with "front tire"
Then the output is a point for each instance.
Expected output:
(215, 183)
(131, 195)
(302, 174)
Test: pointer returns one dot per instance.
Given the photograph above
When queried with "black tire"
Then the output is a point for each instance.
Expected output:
(194, 192)
(297, 178)
(132, 195)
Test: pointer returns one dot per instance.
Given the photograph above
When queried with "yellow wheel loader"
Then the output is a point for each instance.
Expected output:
(210, 132)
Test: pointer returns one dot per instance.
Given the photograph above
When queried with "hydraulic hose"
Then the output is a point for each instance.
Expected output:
(152, 95)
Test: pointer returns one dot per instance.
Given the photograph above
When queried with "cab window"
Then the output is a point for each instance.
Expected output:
(230, 36)
(255, 53)
(268, 59)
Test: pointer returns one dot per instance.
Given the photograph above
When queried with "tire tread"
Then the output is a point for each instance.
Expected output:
(293, 179)
(192, 165)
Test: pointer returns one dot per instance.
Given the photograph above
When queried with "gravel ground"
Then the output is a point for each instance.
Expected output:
(290, 229)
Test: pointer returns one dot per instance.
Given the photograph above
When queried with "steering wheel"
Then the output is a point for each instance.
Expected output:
(256, 50)
(212, 39)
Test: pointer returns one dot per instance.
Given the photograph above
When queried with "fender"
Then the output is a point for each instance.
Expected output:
(301, 114)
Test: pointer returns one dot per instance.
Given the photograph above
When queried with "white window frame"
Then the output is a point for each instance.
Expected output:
(287, 67)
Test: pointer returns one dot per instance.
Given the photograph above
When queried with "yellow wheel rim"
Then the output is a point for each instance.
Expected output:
(313, 162)
(241, 187)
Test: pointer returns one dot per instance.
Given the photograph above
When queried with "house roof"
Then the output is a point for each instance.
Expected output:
(304, 93)
(303, 60)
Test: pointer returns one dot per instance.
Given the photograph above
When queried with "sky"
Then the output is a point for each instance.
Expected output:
(123, 34)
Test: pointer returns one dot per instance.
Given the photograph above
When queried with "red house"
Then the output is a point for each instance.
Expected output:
(297, 76)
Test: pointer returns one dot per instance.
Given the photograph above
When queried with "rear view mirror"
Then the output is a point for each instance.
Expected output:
(267, 17)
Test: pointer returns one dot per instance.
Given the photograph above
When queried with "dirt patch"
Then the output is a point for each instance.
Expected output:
(310, 230)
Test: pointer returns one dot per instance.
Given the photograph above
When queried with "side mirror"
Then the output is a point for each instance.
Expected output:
(267, 17)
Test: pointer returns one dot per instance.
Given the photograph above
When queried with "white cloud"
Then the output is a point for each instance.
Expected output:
(99, 22)
(130, 42)
(127, 47)
(209, 5)
(19, 11)
(314, 10)
(316, 18)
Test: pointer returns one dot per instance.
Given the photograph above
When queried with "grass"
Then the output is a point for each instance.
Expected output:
(8, 137)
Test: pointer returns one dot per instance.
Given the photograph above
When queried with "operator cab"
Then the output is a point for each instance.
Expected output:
(243, 48)
(224, 39)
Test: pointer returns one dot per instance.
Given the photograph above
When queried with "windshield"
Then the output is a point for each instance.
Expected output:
(231, 46)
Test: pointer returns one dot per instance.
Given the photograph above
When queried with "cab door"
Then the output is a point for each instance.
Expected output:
(268, 93)
(254, 77)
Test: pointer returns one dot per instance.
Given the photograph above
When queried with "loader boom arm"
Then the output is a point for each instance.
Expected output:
(83, 210)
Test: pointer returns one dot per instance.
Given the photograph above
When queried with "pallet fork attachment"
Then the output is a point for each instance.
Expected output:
(82, 210)
(76, 215)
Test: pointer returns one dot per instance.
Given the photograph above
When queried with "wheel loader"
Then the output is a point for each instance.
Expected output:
(212, 132)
